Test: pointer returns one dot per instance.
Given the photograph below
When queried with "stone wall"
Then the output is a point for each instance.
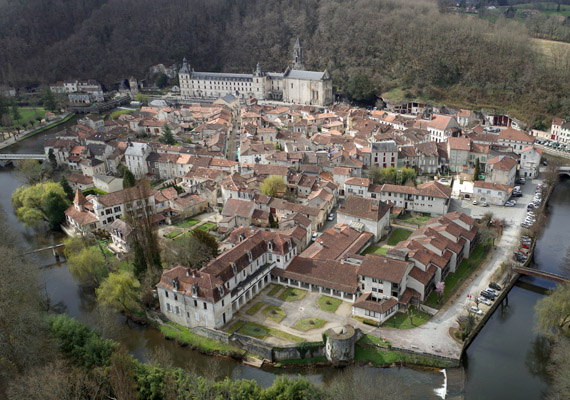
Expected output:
(211, 334)
(252, 345)
(340, 344)
(299, 351)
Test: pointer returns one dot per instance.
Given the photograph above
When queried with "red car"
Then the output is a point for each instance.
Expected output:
(525, 245)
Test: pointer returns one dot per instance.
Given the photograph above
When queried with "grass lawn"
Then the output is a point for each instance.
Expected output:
(419, 220)
(306, 324)
(329, 304)
(254, 308)
(274, 290)
(398, 235)
(28, 114)
(94, 191)
(233, 327)
(366, 321)
(206, 227)
(375, 250)
(187, 223)
(402, 321)
(274, 313)
(454, 280)
(370, 340)
(292, 294)
(173, 234)
(261, 332)
(370, 353)
(183, 335)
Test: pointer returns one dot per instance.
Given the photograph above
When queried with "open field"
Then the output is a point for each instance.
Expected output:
(28, 114)
(398, 235)
(375, 250)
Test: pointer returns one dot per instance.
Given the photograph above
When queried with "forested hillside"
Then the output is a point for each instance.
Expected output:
(370, 47)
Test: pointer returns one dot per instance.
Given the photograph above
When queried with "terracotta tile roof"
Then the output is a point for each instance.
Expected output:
(369, 209)
(433, 189)
(208, 287)
(366, 302)
(422, 277)
(357, 181)
(459, 143)
(407, 296)
(513, 134)
(121, 196)
(440, 122)
(81, 217)
(502, 162)
(491, 185)
(241, 208)
(329, 274)
(334, 242)
(384, 268)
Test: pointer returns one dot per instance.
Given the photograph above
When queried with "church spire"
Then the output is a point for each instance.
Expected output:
(298, 60)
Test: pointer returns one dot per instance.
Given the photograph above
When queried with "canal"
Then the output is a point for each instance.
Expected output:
(504, 361)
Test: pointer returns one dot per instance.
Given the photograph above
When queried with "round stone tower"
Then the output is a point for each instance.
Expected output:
(340, 344)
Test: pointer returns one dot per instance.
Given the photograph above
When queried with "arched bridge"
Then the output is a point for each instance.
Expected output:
(541, 274)
(12, 157)
(564, 170)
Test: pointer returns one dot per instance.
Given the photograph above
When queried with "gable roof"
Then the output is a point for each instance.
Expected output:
(359, 207)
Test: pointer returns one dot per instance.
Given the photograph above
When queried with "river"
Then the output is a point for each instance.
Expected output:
(499, 364)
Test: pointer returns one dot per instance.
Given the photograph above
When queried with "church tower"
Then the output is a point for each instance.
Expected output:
(298, 61)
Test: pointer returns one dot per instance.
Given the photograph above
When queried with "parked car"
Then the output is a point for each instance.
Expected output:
(510, 203)
(517, 194)
(475, 202)
(444, 180)
(315, 236)
(495, 286)
(488, 295)
(475, 310)
(522, 181)
(492, 291)
(483, 300)
(331, 217)
(484, 204)
(530, 206)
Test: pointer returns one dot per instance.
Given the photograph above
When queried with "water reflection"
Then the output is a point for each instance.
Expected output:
(537, 357)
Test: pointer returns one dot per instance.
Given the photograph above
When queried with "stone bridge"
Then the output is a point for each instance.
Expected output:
(12, 157)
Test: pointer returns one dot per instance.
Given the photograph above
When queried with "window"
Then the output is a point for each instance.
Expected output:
(175, 297)
(168, 307)
(222, 303)
(205, 306)
(166, 294)
(177, 310)
(195, 303)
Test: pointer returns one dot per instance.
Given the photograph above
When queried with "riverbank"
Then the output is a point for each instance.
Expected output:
(32, 132)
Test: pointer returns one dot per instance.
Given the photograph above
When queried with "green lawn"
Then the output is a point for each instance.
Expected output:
(233, 327)
(375, 250)
(292, 294)
(398, 235)
(94, 191)
(274, 313)
(455, 280)
(402, 321)
(206, 227)
(173, 234)
(370, 340)
(369, 353)
(28, 114)
(254, 308)
(419, 220)
(306, 324)
(183, 335)
(187, 223)
(261, 332)
(329, 304)
(274, 290)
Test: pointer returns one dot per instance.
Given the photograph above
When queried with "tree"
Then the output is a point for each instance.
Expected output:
(142, 98)
(16, 116)
(30, 171)
(52, 159)
(553, 311)
(88, 266)
(162, 81)
(273, 185)
(207, 239)
(375, 174)
(49, 100)
(188, 251)
(122, 375)
(167, 136)
(69, 193)
(477, 170)
(128, 179)
(120, 291)
(559, 368)
(55, 206)
(361, 89)
(32, 206)
(440, 290)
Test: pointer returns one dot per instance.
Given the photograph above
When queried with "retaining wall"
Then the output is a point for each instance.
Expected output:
(211, 334)
(300, 351)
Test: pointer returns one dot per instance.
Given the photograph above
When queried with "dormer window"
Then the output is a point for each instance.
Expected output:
(270, 245)
(234, 268)
(241, 237)
(249, 256)
(194, 290)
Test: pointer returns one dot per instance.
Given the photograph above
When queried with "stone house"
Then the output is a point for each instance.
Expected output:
(370, 215)
(501, 169)
(492, 193)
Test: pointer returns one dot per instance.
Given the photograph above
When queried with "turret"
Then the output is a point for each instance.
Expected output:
(298, 60)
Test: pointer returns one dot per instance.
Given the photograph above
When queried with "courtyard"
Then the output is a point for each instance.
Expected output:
(285, 315)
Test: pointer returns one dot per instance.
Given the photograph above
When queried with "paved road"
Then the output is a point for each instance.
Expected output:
(433, 337)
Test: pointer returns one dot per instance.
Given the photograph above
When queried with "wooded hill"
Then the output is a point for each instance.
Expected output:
(370, 47)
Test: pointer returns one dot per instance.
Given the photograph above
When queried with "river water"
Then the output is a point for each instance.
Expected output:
(500, 364)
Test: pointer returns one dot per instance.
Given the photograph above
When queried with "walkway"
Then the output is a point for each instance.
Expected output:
(20, 136)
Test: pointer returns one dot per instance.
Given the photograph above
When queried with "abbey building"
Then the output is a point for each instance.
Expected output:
(295, 85)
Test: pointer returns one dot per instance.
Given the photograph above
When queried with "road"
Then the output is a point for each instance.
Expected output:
(433, 337)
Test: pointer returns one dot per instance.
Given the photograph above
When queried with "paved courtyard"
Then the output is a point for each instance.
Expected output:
(296, 310)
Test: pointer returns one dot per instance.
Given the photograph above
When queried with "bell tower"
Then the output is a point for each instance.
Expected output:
(298, 60)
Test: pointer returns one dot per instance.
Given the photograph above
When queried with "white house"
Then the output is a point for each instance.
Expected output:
(530, 162)
(371, 215)
(492, 193)
(501, 169)
(440, 127)
(516, 140)
(135, 158)
(431, 197)
(384, 154)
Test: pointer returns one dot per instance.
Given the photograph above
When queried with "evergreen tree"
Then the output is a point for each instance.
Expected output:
(167, 136)
(52, 159)
(66, 188)
(49, 100)
(55, 206)
(128, 179)
(16, 116)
